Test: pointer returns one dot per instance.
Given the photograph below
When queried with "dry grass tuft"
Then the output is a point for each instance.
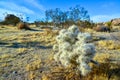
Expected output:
(50, 32)
(33, 65)
(89, 30)
(31, 75)
(102, 57)
(109, 44)
(61, 73)
(44, 77)
(4, 56)
(4, 65)
(101, 72)
(21, 50)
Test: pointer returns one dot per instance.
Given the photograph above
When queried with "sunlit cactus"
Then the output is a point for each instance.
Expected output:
(72, 48)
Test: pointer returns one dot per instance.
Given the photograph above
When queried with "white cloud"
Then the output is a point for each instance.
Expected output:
(103, 18)
(36, 4)
(14, 8)
(17, 8)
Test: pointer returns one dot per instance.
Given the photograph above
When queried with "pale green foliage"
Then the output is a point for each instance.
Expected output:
(72, 49)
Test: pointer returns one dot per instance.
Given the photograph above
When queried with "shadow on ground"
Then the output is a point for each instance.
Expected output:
(35, 30)
(114, 73)
(24, 45)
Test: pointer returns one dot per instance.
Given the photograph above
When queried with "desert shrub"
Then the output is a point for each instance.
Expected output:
(22, 25)
(10, 19)
(102, 29)
(37, 24)
(73, 50)
(109, 24)
(74, 14)
(86, 24)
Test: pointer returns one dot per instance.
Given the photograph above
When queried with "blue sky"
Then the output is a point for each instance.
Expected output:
(99, 10)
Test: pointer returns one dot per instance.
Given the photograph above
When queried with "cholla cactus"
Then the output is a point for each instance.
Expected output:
(72, 46)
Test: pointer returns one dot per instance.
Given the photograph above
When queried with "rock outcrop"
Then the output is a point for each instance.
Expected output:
(116, 22)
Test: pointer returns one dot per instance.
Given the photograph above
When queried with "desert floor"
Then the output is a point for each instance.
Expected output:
(28, 55)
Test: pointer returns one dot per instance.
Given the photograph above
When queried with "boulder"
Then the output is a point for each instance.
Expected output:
(116, 22)
(23, 25)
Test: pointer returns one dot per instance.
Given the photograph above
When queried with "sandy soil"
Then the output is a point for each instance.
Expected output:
(20, 48)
